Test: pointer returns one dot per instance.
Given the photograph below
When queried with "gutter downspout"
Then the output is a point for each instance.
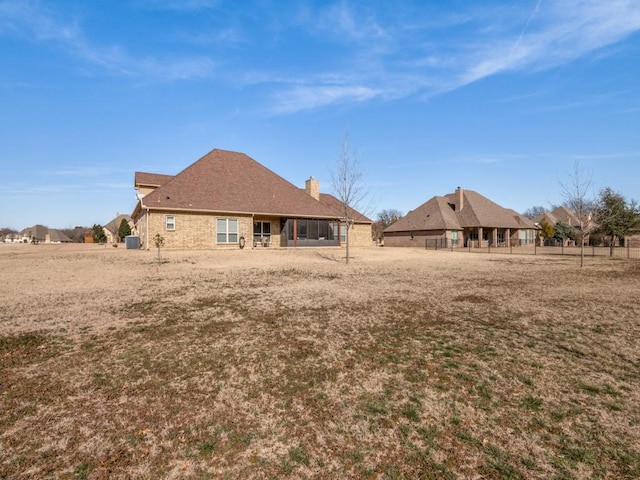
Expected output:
(147, 228)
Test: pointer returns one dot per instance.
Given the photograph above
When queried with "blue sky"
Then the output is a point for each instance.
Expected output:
(494, 96)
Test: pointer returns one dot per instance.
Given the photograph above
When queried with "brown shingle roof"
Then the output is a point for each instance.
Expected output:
(479, 211)
(434, 214)
(335, 205)
(232, 182)
(151, 179)
(114, 225)
(559, 214)
(439, 213)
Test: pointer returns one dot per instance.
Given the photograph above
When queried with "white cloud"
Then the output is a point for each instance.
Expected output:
(31, 20)
(309, 97)
(399, 59)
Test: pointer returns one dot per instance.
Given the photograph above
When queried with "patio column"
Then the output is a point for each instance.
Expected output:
(295, 232)
(480, 237)
(508, 237)
(494, 237)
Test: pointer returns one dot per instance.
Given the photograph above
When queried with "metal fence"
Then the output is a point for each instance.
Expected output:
(517, 249)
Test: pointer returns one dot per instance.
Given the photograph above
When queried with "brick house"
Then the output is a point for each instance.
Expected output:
(111, 230)
(42, 234)
(227, 197)
(562, 214)
(460, 219)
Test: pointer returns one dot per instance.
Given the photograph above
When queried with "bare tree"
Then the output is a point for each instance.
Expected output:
(384, 219)
(579, 198)
(347, 182)
(533, 211)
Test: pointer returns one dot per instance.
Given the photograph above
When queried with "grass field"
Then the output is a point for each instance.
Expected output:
(291, 364)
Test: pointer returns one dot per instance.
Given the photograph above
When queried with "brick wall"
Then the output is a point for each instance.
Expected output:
(194, 230)
(360, 235)
(404, 239)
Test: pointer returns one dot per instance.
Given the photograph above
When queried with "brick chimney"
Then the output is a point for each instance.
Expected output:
(312, 186)
(459, 199)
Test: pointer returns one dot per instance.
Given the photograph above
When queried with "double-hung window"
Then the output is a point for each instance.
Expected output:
(170, 222)
(262, 232)
(227, 230)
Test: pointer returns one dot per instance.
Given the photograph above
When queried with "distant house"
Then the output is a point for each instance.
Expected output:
(461, 219)
(111, 229)
(563, 215)
(10, 237)
(228, 196)
(42, 234)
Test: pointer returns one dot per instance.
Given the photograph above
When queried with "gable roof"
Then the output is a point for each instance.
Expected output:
(336, 205)
(559, 214)
(145, 179)
(439, 213)
(232, 182)
(40, 232)
(479, 211)
(434, 214)
(114, 225)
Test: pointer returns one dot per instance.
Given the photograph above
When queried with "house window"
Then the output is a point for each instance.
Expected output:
(343, 233)
(454, 237)
(261, 232)
(227, 230)
(170, 222)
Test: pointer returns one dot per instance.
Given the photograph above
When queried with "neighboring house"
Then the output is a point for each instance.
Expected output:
(11, 237)
(226, 196)
(42, 234)
(112, 228)
(566, 216)
(632, 241)
(460, 219)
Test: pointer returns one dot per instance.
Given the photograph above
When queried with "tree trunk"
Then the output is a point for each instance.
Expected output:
(612, 245)
(347, 238)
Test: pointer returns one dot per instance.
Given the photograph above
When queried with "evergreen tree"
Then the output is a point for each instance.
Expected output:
(98, 234)
(615, 217)
(124, 229)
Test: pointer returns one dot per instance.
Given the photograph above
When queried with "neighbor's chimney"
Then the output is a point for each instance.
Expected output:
(312, 186)
(459, 199)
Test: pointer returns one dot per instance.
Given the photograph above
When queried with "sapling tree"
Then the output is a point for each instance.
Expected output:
(158, 241)
(578, 197)
(348, 186)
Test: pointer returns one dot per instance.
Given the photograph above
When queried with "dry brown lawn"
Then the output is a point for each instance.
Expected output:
(289, 363)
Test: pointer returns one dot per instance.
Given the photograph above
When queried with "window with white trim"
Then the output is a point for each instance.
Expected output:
(170, 222)
(227, 230)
